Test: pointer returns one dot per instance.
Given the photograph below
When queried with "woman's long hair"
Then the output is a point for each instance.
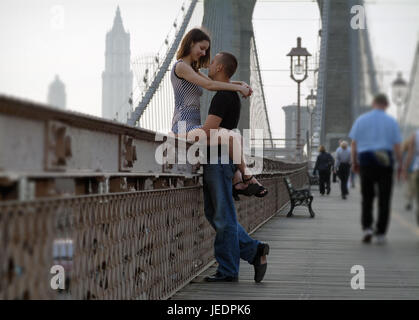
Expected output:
(192, 37)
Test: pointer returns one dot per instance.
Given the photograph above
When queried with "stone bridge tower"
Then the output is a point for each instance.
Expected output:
(229, 23)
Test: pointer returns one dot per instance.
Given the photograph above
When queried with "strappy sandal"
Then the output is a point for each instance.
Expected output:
(251, 190)
(261, 191)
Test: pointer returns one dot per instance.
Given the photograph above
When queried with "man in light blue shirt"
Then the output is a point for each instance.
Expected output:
(375, 140)
(375, 130)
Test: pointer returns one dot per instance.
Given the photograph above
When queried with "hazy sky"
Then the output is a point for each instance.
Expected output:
(35, 45)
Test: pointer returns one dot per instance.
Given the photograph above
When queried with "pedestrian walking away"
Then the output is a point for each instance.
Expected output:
(343, 167)
(334, 170)
(375, 150)
(409, 176)
(324, 165)
(412, 161)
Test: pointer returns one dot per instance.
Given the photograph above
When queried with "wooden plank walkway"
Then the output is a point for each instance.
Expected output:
(312, 258)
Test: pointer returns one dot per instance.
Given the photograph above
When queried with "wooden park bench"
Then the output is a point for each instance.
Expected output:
(299, 197)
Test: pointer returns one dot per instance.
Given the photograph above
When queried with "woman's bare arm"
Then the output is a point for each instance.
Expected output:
(241, 83)
(186, 72)
(204, 75)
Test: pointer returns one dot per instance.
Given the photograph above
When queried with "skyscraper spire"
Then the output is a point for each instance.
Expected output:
(117, 22)
(117, 77)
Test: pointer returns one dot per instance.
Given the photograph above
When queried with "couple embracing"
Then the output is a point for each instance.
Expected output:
(222, 181)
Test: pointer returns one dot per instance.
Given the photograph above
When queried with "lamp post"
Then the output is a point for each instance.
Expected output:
(299, 72)
(399, 92)
(311, 105)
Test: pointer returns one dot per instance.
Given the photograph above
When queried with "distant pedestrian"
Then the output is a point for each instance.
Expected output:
(413, 157)
(375, 140)
(334, 169)
(352, 177)
(324, 165)
(343, 167)
(409, 176)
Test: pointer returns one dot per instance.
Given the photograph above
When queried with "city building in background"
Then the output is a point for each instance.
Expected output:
(291, 124)
(56, 94)
(117, 77)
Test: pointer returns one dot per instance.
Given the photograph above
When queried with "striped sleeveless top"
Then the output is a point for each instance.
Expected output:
(187, 104)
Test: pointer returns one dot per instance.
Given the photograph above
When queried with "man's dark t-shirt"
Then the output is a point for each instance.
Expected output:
(226, 105)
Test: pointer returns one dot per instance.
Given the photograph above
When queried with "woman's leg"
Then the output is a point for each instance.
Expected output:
(235, 145)
(234, 141)
(221, 136)
(238, 181)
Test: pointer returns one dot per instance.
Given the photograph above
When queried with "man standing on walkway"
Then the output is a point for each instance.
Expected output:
(324, 165)
(335, 168)
(412, 161)
(343, 167)
(375, 141)
(231, 240)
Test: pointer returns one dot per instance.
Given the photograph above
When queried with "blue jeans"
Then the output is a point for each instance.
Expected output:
(231, 241)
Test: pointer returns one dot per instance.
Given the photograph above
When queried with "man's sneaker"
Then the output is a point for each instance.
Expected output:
(380, 239)
(367, 236)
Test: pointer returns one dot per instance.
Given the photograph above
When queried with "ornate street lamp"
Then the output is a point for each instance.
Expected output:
(311, 105)
(299, 72)
(399, 93)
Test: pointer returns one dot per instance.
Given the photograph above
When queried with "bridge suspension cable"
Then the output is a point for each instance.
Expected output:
(258, 111)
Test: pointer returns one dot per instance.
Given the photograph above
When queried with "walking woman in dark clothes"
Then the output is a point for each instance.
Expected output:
(324, 164)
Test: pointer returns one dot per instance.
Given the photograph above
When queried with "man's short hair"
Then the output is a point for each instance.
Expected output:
(229, 62)
(381, 99)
